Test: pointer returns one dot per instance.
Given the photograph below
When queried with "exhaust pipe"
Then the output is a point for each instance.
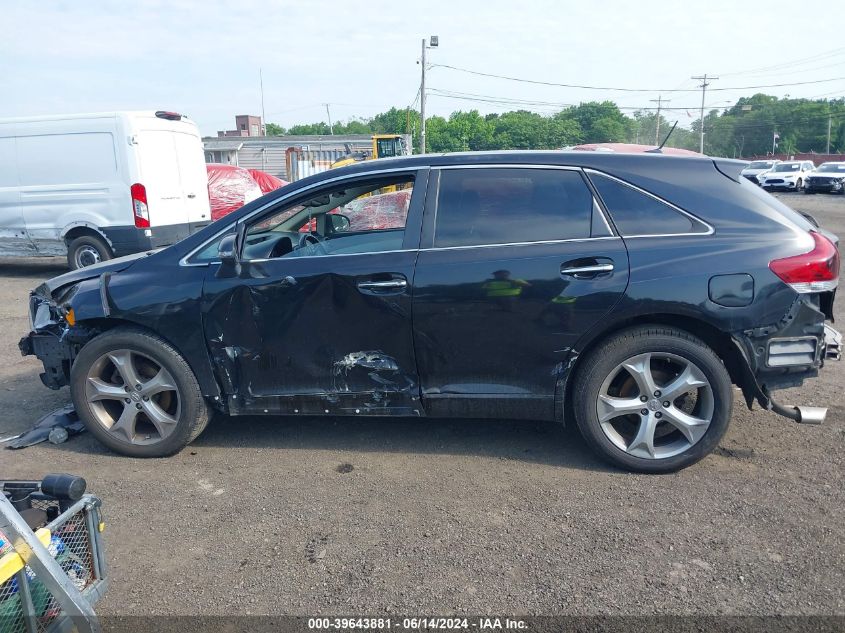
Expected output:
(802, 415)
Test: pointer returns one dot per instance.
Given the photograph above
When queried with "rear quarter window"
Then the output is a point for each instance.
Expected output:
(637, 213)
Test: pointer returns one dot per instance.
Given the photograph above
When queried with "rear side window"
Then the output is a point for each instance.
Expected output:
(637, 213)
(502, 206)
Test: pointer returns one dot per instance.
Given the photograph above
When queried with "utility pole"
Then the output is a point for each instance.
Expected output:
(827, 151)
(659, 101)
(703, 87)
(329, 114)
(422, 101)
(263, 122)
(435, 41)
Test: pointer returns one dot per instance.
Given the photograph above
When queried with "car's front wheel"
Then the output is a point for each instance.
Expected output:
(653, 399)
(136, 394)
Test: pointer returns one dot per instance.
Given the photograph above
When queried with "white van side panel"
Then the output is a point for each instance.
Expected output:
(13, 237)
(71, 174)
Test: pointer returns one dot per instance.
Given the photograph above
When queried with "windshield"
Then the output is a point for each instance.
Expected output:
(787, 167)
(839, 167)
(760, 164)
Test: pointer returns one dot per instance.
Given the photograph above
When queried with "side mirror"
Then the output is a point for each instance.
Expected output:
(340, 223)
(227, 250)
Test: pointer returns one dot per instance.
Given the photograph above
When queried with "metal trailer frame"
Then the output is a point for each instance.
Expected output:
(74, 604)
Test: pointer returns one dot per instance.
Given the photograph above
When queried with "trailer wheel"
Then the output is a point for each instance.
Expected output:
(87, 250)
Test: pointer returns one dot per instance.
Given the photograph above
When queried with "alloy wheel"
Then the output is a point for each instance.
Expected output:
(133, 397)
(655, 405)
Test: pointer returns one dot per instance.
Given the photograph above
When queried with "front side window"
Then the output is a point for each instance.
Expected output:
(359, 217)
(511, 205)
(637, 213)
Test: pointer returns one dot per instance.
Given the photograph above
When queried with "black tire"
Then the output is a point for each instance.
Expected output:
(799, 185)
(808, 192)
(626, 344)
(87, 247)
(194, 413)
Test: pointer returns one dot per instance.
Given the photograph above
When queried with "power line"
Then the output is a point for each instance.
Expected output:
(620, 89)
(483, 98)
(795, 62)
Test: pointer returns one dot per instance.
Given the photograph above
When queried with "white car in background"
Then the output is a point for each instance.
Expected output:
(756, 168)
(790, 175)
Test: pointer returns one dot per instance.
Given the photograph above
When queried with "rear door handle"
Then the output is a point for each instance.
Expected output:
(586, 271)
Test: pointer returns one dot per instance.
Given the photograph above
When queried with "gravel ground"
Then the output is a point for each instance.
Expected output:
(325, 516)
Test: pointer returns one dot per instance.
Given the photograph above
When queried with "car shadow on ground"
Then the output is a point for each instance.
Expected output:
(545, 443)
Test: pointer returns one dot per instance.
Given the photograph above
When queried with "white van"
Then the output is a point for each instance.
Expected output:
(97, 186)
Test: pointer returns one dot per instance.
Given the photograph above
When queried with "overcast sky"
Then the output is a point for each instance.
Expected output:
(201, 57)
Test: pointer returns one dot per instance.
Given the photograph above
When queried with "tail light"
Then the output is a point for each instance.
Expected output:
(816, 271)
(139, 206)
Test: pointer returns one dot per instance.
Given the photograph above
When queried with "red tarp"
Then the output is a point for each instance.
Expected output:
(229, 188)
(267, 182)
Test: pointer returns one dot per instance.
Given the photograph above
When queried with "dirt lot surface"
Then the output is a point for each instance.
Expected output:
(331, 516)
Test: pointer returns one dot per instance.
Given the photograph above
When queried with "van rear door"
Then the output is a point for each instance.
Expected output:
(194, 179)
(159, 171)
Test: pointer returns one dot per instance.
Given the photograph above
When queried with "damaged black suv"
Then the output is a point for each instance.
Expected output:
(626, 293)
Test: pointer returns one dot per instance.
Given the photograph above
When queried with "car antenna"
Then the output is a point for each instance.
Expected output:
(659, 149)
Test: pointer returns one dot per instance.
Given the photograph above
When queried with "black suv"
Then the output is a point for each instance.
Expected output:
(624, 292)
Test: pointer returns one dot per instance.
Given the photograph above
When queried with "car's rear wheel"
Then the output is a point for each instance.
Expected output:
(87, 250)
(653, 399)
(136, 394)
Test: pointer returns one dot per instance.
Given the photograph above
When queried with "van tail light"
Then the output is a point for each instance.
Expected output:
(139, 206)
(816, 271)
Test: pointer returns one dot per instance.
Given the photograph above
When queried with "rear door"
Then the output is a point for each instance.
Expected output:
(158, 165)
(517, 264)
(193, 176)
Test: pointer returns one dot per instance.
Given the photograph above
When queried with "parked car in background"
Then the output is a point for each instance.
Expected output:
(622, 292)
(826, 178)
(96, 186)
(757, 168)
(790, 174)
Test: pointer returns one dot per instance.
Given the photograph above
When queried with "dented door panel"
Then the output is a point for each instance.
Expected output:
(307, 336)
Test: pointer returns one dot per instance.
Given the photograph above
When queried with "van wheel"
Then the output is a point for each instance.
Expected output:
(87, 250)
(653, 399)
(136, 394)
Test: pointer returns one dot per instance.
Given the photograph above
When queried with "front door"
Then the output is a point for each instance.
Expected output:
(317, 317)
(517, 263)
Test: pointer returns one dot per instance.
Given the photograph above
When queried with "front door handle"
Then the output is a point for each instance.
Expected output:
(382, 286)
(586, 271)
